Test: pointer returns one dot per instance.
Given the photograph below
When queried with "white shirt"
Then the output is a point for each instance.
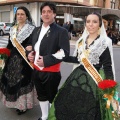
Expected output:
(37, 45)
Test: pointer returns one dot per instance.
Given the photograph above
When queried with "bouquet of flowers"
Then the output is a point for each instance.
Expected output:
(4, 53)
(108, 89)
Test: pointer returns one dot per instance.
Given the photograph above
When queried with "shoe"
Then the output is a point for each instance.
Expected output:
(39, 119)
(17, 110)
(20, 112)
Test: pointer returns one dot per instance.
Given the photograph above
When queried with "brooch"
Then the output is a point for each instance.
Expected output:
(48, 33)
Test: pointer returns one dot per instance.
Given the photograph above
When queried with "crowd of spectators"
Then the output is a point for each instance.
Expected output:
(72, 31)
(76, 32)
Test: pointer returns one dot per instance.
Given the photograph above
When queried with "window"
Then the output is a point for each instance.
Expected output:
(1, 24)
(113, 4)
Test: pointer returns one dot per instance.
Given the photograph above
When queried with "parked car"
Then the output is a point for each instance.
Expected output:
(5, 28)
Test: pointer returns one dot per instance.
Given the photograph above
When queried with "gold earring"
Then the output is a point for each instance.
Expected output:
(87, 31)
(99, 31)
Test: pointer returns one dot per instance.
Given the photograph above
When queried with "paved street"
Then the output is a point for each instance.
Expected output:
(33, 114)
(3, 41)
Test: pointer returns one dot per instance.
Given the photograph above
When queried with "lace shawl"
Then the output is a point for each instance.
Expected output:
(96, 49)
(23, 34)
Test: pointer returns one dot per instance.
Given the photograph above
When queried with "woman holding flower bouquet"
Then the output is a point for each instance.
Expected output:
(17, 89)
(80, 98)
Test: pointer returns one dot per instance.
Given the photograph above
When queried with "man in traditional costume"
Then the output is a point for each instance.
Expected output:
(50, 44)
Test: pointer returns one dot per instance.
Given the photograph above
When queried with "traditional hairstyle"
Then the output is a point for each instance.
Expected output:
(99, 16)
(29, 18)
(50, 4)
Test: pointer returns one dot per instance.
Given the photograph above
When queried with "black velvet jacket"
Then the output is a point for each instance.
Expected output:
(57, 38)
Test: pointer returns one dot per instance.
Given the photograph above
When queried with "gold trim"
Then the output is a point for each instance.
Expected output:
(21, 50)
(91, 70)
(88, 66)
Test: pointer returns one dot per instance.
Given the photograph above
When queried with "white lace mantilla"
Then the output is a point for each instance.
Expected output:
(23, 34)
(96, 49)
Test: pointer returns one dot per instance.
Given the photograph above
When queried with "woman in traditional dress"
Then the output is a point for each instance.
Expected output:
(79, 97)
(16, 86)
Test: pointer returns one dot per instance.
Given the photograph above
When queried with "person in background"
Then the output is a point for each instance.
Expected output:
(79, 98)
(58, 22)
(16, 87)
(112, 36)
(46, 41)
(70, 27)
(65, 25)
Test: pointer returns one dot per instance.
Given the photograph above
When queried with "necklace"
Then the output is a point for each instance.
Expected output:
(20, 27)
(89, 42)
(84, 51)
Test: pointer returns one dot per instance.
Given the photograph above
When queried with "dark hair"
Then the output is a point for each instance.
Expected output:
(29, 18)
(99, 16)
(50, 4)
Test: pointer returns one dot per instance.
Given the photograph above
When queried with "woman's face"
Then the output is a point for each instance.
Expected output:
(92, 24)
(21, 16)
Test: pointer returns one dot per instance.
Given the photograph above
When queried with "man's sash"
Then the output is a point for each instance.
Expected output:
(21, 50)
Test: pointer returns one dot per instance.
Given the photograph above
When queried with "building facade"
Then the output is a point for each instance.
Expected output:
(67, 10)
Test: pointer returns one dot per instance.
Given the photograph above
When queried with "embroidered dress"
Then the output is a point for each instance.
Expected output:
(79, 97)
(17, 88)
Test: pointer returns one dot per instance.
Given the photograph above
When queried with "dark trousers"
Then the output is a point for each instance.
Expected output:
(46, 84)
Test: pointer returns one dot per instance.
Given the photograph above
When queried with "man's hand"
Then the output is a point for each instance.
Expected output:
(40, 61)
(31, 56)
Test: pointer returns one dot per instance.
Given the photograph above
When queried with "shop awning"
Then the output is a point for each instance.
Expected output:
(110, 12)
(77, 10)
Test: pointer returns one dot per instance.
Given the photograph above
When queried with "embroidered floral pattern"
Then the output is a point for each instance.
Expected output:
(96, 49)
(14, 75)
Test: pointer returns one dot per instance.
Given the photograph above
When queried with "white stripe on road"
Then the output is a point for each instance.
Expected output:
(3, 41)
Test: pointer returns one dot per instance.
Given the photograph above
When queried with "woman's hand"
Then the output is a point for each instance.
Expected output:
(31, 56)
(28, 48)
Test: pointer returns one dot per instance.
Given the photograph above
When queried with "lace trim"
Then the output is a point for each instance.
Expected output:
(26, 101)
(96, 49)
(23, 34)
(14, 69)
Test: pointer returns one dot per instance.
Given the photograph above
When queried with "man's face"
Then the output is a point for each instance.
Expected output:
(47, 15)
